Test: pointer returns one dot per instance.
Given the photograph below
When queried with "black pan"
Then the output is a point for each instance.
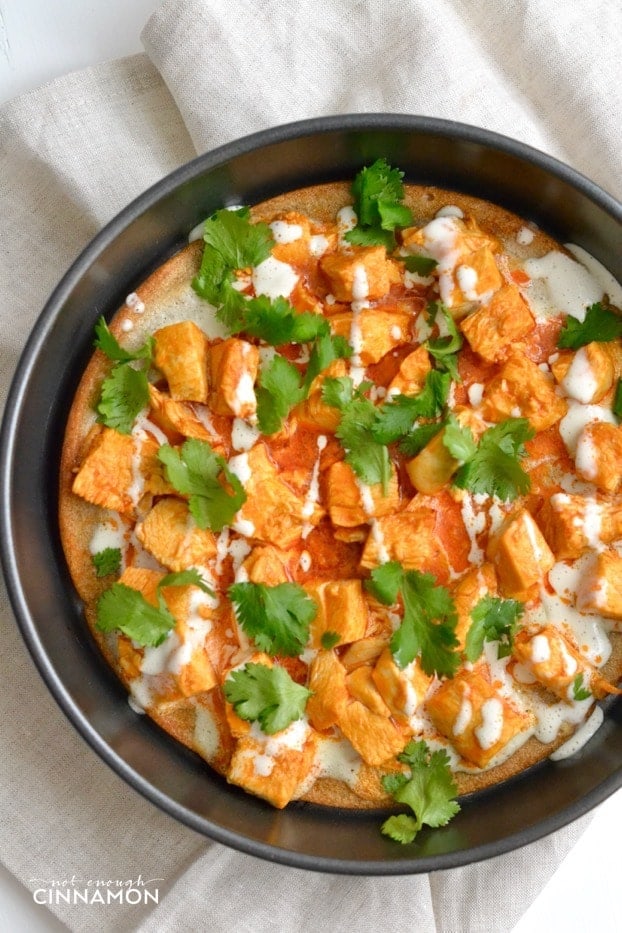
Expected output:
(451, 155)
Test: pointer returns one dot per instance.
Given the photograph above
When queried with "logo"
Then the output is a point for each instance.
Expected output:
(75, 890)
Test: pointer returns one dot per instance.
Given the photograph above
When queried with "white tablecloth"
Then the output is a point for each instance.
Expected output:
(76, 151)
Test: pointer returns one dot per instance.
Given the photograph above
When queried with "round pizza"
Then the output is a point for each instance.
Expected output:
(340, 492)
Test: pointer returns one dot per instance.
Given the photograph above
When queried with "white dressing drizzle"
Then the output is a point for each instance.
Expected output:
(274, 278)
(567, 286)
(581, 737)
(313, 492)
(284, 232)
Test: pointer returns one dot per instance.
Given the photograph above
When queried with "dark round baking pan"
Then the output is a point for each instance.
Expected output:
(451, 155)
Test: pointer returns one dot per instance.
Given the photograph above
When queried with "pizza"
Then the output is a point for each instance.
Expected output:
(340, 493)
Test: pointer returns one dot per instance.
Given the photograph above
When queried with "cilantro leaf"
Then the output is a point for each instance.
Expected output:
(459, 440)
(124, 394)
(578, 690)
(600, 324)
(495, 469)
(428, 789)
(330, 639)
(239, 242)
(213, 276)
(107, 561)
(401, 828)
(280, 387)
(108, 344)
(232, 242)
(386, 582)
(444, 349)
(378, 191)
(124, 609)
(422, 265)
(397, 416)
(428, 628)
(493, 619)
(267, 695)
(325, 349)
(215, 493)
(617, 400)
(369, 459)
(277, 322)
(338, 392)
(416, 439)
(277, 618)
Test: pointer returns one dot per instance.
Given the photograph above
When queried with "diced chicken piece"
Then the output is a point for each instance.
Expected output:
(402, 690)
(314, 412)
(498, 324)
(149, 478)
(364, 651)
(560, 364)
(477, 277)
(106, 474)
(129, 658)
(181, 666)
(170, 533)
(273, 767)
(267, 565)
(302, 298)
(522, 390)
(181, 354)
(351, 535)
(470, 589)
(341, 609)
(376, 738)
(520, 554)
(555, 661)
(586, 375)
(143, 579)
(364, 272)
(361, 686)
(118, 470)
(433, 466)
(572, 523)
(181, 418)
(599, 455)
(465, 255)
(601, 587)
(479, 722)
(272, 513)
(410, 377)
(232, 367)
(379, 331)
(409, 537)
(350, 503)
(292, 237)
(329, 695)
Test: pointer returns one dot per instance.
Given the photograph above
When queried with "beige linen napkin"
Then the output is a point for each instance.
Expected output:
(75, 152)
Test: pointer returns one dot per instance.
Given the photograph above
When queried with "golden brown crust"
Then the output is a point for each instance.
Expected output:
(166, 295)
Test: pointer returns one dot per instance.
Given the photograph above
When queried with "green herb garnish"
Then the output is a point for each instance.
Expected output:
(195, 470)
(277, 618)
(428, 628)
(428, 789)
(266, 695)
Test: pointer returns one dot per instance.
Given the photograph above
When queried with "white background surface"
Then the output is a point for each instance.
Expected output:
(42, 39)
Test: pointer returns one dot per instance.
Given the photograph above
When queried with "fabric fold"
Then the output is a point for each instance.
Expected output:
(526, 71)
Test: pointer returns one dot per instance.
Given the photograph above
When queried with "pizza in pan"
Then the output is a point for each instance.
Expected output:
(340, 492)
